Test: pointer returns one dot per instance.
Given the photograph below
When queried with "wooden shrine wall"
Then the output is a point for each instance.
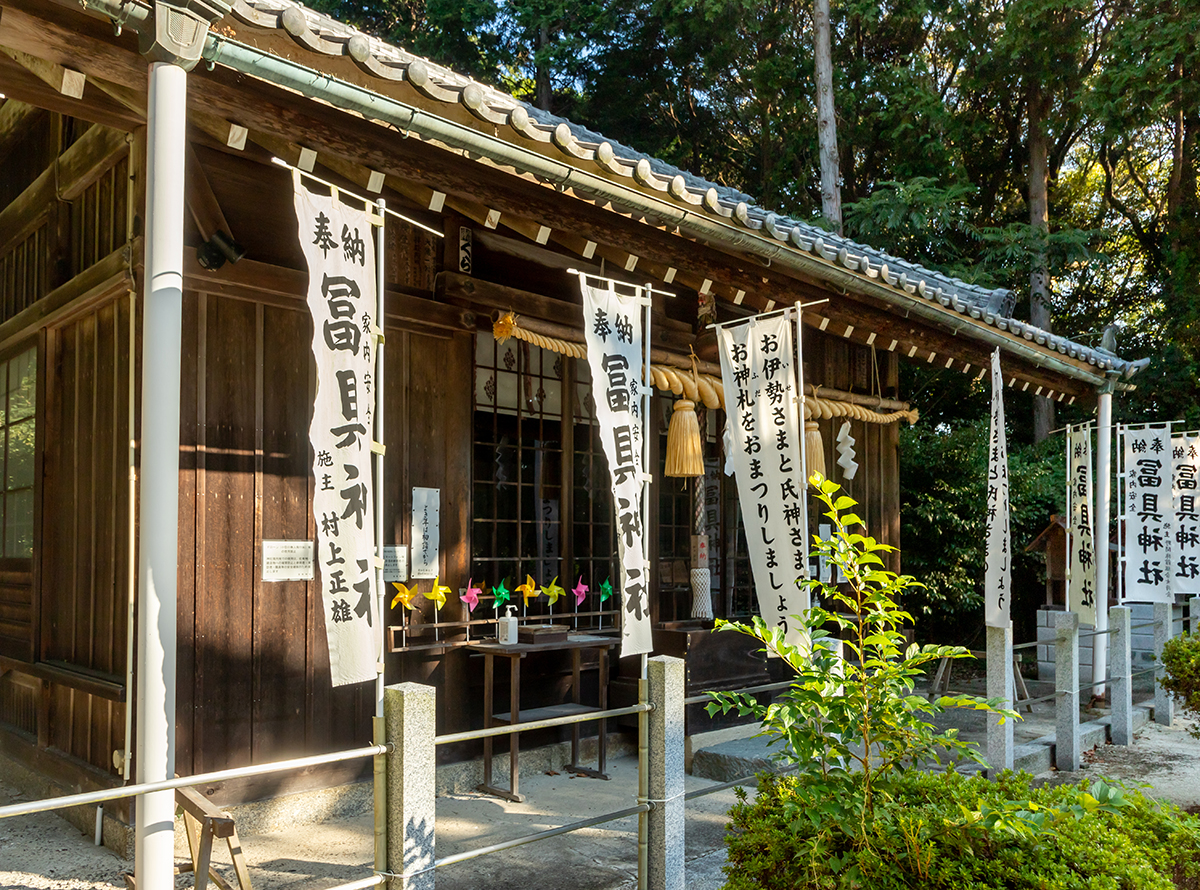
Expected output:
(839, 364)
(253, 665)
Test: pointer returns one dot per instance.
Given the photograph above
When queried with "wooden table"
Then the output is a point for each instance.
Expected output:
(575, 644)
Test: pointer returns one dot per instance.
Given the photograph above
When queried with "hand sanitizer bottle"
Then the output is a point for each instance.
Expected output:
(506, 629)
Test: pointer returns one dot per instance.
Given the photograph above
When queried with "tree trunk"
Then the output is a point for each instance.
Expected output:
(1039, 218)
(831, 193)
(542, 94)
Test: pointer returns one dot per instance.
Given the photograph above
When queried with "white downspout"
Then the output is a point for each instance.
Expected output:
(159, 495)
(1103, 499)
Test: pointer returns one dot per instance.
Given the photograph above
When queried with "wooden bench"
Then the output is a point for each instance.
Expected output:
(204, 823)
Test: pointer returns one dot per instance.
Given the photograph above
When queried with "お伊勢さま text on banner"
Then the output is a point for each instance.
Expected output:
(338, 246)
(615, 339)
(758, 373)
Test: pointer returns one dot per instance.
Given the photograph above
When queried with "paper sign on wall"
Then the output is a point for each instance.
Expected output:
(395, 564)
(287, 560)
(426, 532)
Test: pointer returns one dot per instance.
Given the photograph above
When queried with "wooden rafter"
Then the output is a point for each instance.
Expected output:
(15, 119)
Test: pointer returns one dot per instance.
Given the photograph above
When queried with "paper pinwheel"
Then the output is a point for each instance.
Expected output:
(580, 591)
(404, 595)
(606, 590)
(501, 595)
(553, 591)
(438, 593)
(529, 589)
(471, 596)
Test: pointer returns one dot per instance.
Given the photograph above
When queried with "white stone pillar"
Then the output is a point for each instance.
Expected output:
(665, 677)
(409, 714)
(1119, 622)
(1000, 685)
(1066, 685)
(1164, 702)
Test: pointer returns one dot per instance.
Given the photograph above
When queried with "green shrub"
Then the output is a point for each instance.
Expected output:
(932, 832)
(857, 816)
(1181, 658)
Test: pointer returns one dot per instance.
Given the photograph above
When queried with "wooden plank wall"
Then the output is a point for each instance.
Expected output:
(254, 679)
(85, 516)
(840, 364)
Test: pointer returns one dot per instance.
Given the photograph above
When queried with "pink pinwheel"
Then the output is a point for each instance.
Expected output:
(471, 596)
(580, 591)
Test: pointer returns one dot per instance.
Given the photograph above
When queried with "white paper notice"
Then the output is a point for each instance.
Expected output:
(287, 560)
(395, 564)
(426, 532)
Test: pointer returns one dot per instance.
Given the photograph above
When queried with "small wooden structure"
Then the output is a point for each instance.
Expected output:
(515, 199)
(1052, 541)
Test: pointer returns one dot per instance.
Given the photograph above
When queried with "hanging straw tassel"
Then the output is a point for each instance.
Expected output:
(813, 448)
(685, 448)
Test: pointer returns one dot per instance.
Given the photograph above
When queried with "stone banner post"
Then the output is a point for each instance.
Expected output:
(1164, 702)
(1119, 622)
(1000, 685)
(1066, 684)
(409, 710)
(665, 679)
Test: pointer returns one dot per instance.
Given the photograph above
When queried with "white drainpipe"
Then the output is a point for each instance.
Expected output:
(159, 502)
(1103, 496)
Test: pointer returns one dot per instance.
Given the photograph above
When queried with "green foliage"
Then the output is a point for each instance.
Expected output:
(951, 832)
(1181, 658)
(944, 468)
(845, 721)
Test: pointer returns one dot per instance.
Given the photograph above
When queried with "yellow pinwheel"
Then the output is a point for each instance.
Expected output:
(529, 589)
(404, 595)
(553, 591)
(438, 593)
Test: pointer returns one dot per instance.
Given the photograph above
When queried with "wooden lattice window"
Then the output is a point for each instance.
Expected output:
(18, 380)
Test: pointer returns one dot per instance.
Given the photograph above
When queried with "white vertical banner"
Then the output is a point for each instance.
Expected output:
(997, 581)
(1149, 513)
(338, 245)
(1185, 564)
(762, 402)
(1081, 561)
(613, 327)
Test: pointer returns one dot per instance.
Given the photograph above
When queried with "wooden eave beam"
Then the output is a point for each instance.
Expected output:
(62, 80)
(75, 169)
(17, 83)
(285, 287)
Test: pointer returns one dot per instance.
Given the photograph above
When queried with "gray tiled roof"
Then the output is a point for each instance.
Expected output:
(514, 118)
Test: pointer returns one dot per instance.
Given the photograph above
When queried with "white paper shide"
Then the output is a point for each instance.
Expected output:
(758, 373)
(997, 582)
(614, 331)
(1081, 567)
(1149, 514)
(338, 246)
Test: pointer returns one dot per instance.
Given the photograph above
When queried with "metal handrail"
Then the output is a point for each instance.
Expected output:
(509, 729)
(749, 690)
(238, 772)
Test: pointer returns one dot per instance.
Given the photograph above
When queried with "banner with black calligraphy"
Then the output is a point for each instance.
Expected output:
(1081, 566)
(759, 376)
(997, 579)
(1185, 566)
(614, 332)
(1149, 513)
(339, 248)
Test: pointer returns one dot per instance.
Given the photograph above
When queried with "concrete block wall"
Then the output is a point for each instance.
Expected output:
(1141, 640)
